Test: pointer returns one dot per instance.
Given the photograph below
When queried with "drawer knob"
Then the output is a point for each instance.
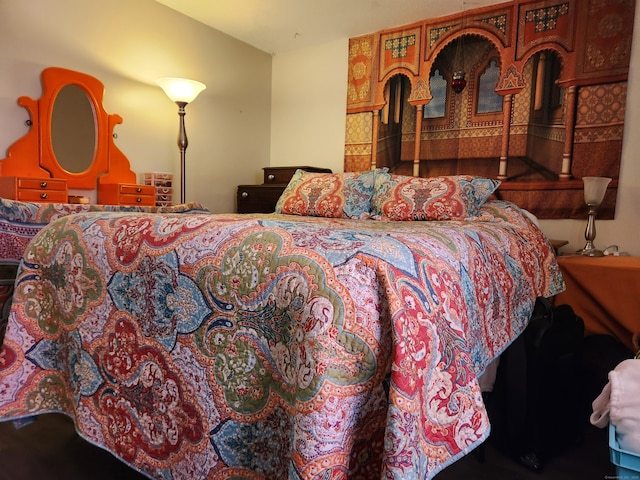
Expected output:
(43, 195)
(138, 190)
(271, 177)
(245, 194)
(43, 185)
(138, 199)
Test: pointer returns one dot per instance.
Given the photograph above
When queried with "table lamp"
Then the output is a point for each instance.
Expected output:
(594, 190)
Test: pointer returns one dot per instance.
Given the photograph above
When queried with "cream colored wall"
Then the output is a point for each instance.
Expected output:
(128, 45)
(308, 104)
(307, 122)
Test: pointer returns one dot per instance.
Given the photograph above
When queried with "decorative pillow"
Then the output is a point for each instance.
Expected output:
(335, 195)
(399, 197)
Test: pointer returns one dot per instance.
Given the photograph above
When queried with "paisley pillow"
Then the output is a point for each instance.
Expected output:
(334, 195)
(399, 197)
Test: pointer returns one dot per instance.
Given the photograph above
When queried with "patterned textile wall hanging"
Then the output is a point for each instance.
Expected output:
(530, 92)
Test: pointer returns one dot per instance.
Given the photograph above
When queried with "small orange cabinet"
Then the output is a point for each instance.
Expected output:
(126, 194)
(31, 189)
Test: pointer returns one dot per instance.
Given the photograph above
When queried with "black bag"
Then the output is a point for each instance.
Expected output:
(534, 407)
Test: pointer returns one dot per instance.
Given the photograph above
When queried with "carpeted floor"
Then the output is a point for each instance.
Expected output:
(49, 449)
(588, 461)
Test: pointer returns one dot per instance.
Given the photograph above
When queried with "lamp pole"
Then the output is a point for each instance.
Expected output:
(183, 143)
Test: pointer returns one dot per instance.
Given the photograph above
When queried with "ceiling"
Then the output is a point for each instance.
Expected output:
(279, 26)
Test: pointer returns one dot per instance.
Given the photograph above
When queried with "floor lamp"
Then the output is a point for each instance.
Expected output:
(182, 92)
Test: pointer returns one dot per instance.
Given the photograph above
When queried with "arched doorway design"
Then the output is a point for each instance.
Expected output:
(537, 130)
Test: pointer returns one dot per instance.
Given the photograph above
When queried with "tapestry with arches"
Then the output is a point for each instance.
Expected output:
(530, 92)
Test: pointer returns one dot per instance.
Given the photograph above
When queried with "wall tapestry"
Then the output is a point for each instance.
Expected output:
(530, 92)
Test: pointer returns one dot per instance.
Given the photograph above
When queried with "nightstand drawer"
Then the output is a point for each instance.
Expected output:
(279, 175)
(258, 198)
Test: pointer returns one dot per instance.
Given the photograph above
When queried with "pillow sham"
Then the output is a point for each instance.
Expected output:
(334, 195)
(405, 198)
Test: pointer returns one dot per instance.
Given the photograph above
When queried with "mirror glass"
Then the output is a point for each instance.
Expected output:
(73, 129)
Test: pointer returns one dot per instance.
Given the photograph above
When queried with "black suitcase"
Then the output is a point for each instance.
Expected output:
(534, 406)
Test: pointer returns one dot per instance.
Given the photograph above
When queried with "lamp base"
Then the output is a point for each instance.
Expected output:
(590, 252)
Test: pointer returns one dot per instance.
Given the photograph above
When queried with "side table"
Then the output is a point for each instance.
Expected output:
(605, 292)
(263, 198)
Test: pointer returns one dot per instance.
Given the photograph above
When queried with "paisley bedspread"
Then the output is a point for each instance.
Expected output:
(20, 221)
(267, 346)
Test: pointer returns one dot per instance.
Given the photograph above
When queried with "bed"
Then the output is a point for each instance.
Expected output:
(272, 346)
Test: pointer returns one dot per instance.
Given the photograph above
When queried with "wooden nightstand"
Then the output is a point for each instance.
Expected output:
(258, 198)
(605, 292)
(557, 244)
(263, 198)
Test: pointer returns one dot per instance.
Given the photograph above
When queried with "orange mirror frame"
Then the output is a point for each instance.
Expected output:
(33, 155)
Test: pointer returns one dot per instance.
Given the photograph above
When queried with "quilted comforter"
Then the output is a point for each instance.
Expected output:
(269, 346)
(21, 221)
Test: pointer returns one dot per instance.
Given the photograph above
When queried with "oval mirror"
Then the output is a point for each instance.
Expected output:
(73, 129)
(71, 135)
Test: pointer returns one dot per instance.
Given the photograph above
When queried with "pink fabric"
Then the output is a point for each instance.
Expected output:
(619, 403)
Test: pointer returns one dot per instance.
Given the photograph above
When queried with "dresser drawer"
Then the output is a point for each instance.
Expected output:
(278, 175)
(42, 184)
(258, 198)
(52, 196)
(29, 189)
(127, 194)
(132, 199)
(137, 189)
